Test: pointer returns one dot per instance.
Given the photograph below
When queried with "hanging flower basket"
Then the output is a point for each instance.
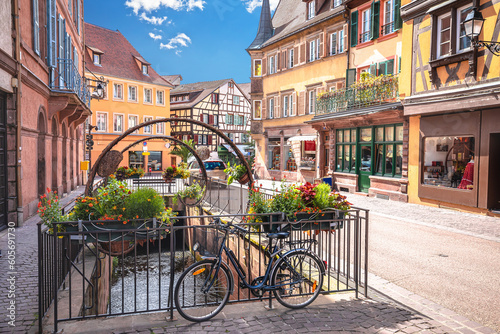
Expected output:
(316, 221)
(244, 179)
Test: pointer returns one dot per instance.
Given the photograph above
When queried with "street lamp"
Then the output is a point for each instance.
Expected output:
(98, 92)
(473, 25)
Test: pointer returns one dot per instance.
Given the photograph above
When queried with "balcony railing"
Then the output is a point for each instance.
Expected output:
(375, 91)
(66, 78)
(387, 28)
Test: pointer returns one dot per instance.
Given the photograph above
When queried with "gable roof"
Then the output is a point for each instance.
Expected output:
(197, 91)
(119, 58)
(175, 79)
(245, 89)
(290, 18)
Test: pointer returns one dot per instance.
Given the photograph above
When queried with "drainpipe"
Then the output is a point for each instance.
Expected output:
(17, 57)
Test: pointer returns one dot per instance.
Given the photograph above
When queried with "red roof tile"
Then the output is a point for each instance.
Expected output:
(119, 57)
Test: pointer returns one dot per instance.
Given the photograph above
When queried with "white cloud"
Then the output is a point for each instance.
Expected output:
(180, 40)
(155, 37)
(153, 19)
(252, 4)
(151, 5)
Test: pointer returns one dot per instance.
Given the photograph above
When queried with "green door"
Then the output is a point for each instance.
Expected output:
(365, 150)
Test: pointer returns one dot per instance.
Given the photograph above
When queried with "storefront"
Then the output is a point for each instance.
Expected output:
(136, 159)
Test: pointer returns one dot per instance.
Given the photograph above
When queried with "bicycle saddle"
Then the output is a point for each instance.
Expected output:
(278, 235)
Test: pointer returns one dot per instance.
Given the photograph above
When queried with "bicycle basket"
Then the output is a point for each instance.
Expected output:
(209, 240)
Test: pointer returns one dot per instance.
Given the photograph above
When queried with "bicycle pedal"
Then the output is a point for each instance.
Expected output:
(242, 285)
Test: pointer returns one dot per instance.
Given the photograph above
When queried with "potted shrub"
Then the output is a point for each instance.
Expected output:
(168, 174)
(236, 172)
(191, 194)
(49, 210)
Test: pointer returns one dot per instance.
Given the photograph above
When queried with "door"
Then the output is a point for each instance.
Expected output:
(365, 158)
(3, 163)
(493, 175)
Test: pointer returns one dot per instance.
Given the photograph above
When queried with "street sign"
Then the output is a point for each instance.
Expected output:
(145, 153)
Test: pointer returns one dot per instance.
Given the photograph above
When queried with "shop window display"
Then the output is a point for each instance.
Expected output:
(274, 154)
(449, 162)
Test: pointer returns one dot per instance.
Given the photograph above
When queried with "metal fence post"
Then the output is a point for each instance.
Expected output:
(172, 259)
(54, 239)
(40, 276)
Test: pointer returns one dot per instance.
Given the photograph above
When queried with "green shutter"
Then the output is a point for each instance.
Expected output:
(382, 68)
(398, 22)
(374, 29)
(389, 67)
(399, 67)
(350, 77)
(373, 70)
(354, 28)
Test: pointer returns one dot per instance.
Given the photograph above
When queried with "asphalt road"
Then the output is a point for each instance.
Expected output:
(458, 271)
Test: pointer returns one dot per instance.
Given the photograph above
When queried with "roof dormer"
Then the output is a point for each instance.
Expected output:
(96, 55)
(143, 64)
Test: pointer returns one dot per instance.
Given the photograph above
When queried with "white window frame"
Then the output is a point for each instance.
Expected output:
(147, 119)
(337, 3)
(459, 27)
(312, 100)
(135, 93)
(254, 109)
(439, 42)
(136, 121)
(311, 9)
(150, 96)
(291, 103)
(285, 106)
(115, 117)
(236, 100)
(160, 97)
(205, 118)
(340, 43)
(160, 127)
(96, 59)
(145, 69)
(271, 107)
(255, 69)
(200, 139)
(272, 68)
(389, 9)
(312, 50)
(290, 58)
(366, 24)
(117, 96)
(105, 114)
(333, 47)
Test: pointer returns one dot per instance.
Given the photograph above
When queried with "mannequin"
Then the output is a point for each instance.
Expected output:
(467, 179)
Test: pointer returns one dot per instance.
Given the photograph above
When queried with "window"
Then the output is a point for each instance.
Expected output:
(145, 69)
(346, 150)
(449, 162)
(257, 68)
(160, 97)
(118, 91)
(148, 129)
(257, 111)
(205, 118)
(311, 11)
(102, 121)
(463, 42)
(160, 128)
(285, 106)
(290, 59)
(444, 35)
(312, 101)
(333, 44)
(36, 28)
(117, 123)
(272, 64)
(133, 121)
(274, 154)
(312, 50)
(229, 119)
(132, 93)
(290, 99)
(341, 47)
(365, 26)
(241, 120)
(97, 59)
(271, 107)
(336, 3)
(389, 150)
(236, 100)
(148, 95)
(215, 98)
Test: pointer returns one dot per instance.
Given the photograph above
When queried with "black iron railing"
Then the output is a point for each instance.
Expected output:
(66, 78)
(387, 28)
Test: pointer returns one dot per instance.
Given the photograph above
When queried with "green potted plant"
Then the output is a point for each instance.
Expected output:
(49, 210)
(191, 194)
(236, 172)
(169, 174)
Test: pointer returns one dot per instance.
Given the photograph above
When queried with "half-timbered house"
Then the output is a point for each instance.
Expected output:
(452, 104)
(219, 103)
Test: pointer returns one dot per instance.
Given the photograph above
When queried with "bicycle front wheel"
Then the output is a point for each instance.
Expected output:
(299, 278)
(194, 299)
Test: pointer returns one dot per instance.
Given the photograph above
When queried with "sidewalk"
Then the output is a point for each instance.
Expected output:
(25, 273)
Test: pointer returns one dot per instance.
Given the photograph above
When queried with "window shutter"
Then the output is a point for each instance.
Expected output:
(36, 27)
(283, 60)
(52, 34)
(350, 76)
(294, 104)
(209, 140)
(295, 55)
(321, 46)
(374, 29)
(373, 69)
(399, 66)
(76, 60)
(354, 28)
(303, 52)
(389, 67)
(196, 139)
(70, 8)
(210, 119)
(398, 22)
(264, 66)
(78, 14)
(345, 38)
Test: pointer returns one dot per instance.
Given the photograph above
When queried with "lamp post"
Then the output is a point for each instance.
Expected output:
(473, 25)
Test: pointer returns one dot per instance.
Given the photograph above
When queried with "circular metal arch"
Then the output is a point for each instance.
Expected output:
(93, 171)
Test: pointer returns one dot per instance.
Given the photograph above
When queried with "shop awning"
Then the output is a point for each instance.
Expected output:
(242, 148)
(302, 138)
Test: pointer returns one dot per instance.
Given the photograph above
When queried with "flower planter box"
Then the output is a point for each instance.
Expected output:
(134, 177)
(114, 231)
(315, 221)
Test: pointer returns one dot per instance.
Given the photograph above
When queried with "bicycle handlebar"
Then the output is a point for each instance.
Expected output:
(237, 227)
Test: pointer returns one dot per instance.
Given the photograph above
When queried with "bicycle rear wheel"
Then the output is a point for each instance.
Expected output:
(190, 299)
(300, 278)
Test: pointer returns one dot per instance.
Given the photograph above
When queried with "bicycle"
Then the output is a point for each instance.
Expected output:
(295, 277)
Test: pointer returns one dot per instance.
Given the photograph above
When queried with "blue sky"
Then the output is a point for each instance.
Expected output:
(201, 40)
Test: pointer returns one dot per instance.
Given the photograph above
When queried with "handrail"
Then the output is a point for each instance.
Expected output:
(65, 77)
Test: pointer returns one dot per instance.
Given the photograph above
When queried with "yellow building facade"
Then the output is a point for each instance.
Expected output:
(452, 106)
(133, 93)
